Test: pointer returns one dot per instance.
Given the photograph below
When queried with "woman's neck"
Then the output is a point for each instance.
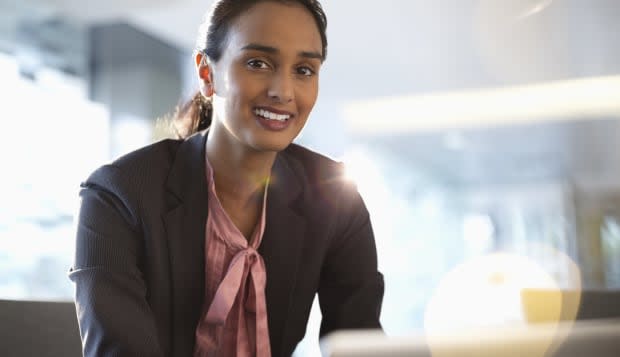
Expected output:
(240, 172)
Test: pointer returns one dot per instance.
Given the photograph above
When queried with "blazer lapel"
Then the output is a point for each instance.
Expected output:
(185, 231)
(281, 246)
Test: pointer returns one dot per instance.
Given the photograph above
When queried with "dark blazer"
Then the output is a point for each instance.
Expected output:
(140, 253)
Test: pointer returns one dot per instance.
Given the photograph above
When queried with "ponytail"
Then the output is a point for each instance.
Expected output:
(193, 116)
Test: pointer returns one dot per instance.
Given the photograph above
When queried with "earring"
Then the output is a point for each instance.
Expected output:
(207, 90)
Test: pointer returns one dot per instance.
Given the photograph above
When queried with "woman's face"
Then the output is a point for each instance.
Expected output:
(266, 82)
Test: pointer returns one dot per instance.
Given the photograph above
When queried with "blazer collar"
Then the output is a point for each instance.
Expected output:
(185, 231)
(187, 175)
(281, 247)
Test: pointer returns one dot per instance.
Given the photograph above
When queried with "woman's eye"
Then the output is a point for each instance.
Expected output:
(257, 64)
(305, 71)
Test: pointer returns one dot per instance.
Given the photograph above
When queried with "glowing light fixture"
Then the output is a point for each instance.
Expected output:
(553, 101)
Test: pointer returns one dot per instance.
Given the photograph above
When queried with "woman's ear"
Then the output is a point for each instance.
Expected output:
(204, 74)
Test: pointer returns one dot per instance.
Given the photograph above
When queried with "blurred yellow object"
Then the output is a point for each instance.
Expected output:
(484, 292)
(504, 292)
(550, 305)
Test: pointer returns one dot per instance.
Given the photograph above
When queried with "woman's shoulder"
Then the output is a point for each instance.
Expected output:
(156, 154)
(324, 176)
(327, 186)
(141, 167)
(315, 166)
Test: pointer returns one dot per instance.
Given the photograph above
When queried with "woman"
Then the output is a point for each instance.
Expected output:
(216, 244)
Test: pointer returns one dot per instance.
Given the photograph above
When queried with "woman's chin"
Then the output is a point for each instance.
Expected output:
(271, 142)
(271, 146)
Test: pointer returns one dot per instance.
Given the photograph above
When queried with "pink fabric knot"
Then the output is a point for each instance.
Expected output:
(248, 263)
(246, 266)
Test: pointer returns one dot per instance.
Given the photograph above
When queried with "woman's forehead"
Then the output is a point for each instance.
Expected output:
(283, 26)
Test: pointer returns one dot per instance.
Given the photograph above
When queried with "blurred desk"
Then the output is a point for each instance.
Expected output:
(595, 338)
(39, 328)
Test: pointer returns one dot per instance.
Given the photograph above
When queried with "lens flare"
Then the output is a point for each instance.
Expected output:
(503, 290)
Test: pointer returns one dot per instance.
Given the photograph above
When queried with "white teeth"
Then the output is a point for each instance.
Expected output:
(271, 116)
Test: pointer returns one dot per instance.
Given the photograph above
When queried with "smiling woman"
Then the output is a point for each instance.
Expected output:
(215, 244)
(266, 81)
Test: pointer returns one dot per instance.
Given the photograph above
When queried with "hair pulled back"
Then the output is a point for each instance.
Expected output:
(196, 114)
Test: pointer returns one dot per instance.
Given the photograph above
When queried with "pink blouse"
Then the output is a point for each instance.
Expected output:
(234, 318)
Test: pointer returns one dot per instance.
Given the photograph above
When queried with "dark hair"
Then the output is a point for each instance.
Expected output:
(195, 114)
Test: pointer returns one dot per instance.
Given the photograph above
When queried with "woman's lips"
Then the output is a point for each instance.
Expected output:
(273, 119)
(274, 110)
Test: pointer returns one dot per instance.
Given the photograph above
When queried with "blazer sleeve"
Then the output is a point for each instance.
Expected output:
(351, 287)
(114, 316)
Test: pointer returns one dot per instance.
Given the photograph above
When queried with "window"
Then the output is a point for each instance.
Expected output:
(53, 137)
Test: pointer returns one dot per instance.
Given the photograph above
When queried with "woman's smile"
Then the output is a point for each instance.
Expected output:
(272, 119)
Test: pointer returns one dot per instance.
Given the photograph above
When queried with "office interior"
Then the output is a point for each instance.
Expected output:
(483, 135)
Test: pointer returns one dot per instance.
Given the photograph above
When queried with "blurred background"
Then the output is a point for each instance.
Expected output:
(484, 136)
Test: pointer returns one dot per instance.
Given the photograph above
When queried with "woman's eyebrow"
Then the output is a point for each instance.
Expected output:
(314, 55)
(273, 50)
(262, 48)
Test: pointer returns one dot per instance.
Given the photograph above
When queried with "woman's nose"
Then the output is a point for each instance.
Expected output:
(281, 88)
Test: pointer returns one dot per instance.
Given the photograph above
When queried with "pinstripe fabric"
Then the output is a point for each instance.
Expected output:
(139, 266)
